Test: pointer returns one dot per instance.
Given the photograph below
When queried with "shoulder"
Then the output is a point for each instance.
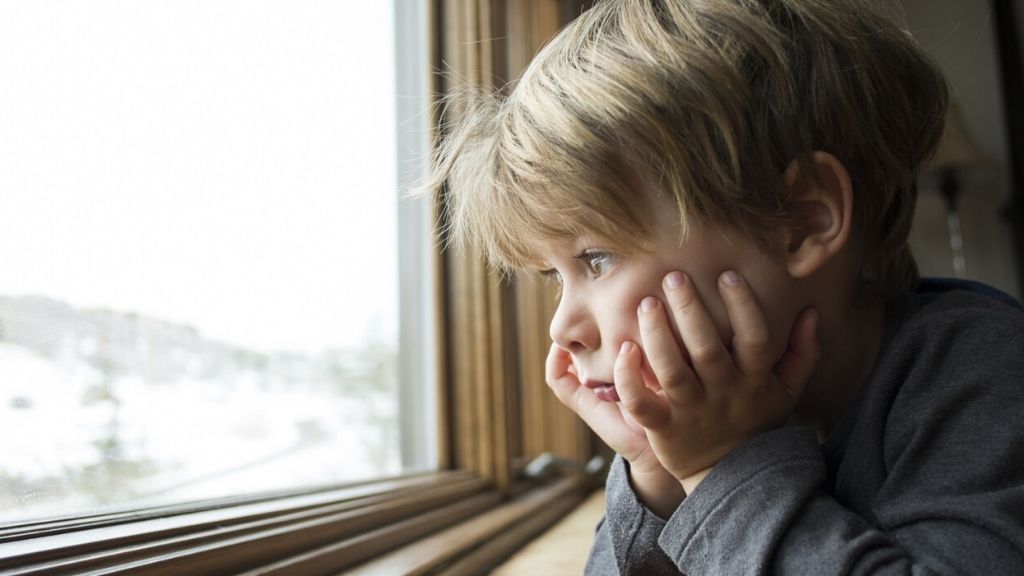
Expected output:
(978, 322)
(954, 358)
(944, 426)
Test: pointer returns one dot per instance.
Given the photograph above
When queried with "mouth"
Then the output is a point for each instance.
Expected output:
(604, 391)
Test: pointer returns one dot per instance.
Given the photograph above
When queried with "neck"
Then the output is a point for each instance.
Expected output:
(850, 338)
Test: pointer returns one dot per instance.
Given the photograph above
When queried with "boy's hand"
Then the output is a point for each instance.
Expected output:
(654, 485)
(703, 412)
(606, 419)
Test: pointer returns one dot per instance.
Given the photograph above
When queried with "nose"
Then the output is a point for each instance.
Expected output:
(572, 326)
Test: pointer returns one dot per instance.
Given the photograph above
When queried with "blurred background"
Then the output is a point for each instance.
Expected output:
(964, 37)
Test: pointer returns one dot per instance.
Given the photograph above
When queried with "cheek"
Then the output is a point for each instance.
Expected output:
(780, 322)
(617, 317)
(623, 324)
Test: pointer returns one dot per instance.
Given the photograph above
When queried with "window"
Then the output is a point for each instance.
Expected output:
(491, 412)
(208, 284)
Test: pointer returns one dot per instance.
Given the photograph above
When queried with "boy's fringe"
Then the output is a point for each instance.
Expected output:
(706, 102)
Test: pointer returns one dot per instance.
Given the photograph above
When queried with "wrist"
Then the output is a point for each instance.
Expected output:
(656, 489)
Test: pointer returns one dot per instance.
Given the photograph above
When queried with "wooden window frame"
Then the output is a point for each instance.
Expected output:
(496, 337)
(495, 414)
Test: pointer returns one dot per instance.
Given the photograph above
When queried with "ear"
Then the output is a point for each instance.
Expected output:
(820, 188)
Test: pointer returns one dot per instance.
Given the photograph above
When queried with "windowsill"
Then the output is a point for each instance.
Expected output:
(356, 522)
(563, 548)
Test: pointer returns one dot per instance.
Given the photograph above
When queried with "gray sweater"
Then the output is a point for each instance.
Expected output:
(925, 474)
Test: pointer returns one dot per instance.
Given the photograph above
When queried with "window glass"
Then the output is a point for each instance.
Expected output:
(199, 246)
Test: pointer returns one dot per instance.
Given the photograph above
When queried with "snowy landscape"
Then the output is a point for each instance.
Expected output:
(199, 292)
(104, 410)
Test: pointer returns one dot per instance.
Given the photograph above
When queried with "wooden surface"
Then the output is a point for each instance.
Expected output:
(480, 542)
(563, 549)
(248, 535)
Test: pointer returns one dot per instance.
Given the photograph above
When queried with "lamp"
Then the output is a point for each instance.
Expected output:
(957, 154)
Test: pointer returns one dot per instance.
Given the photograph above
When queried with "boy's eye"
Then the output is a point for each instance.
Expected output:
(552, 273)
(597, 262)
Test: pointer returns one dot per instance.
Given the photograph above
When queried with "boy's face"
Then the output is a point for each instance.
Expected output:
(602, 289)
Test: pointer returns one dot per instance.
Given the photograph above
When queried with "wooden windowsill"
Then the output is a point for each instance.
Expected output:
(357, 521)
(563, 548)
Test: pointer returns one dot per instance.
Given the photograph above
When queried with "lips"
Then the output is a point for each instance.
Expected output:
(603, 390)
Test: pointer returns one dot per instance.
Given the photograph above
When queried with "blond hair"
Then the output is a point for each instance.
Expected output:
(706, 102)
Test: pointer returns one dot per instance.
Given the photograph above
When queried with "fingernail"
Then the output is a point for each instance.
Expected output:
(626, 348)
(649, 303)
(675, 280)
(731, 278)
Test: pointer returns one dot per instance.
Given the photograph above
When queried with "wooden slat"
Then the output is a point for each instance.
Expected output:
(209, 536)
(533, 345)
(443, 347)
(504, 377)
(491, 405)
(489, 554)
(563, 549)
(225, 509)
(480, 386)
(330, 559)
(467, 548)
(492, 378)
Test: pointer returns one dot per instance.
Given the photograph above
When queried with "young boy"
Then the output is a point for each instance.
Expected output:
(724, 189)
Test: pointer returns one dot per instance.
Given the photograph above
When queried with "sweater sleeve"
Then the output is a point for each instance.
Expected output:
(761, 511)
(627, 537)
(933, 482)
(736, 518)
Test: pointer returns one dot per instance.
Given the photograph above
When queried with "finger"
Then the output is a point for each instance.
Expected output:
(751, 341)
(560, 379)
(711, 360)
(563, 381)
(648, 374)
(662, 351)
(797, 364)
(606, 419)
(642, 403)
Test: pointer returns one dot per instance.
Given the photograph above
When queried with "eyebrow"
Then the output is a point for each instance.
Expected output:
(587, 253)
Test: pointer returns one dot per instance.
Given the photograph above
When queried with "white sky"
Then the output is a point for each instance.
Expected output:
(228, 164)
